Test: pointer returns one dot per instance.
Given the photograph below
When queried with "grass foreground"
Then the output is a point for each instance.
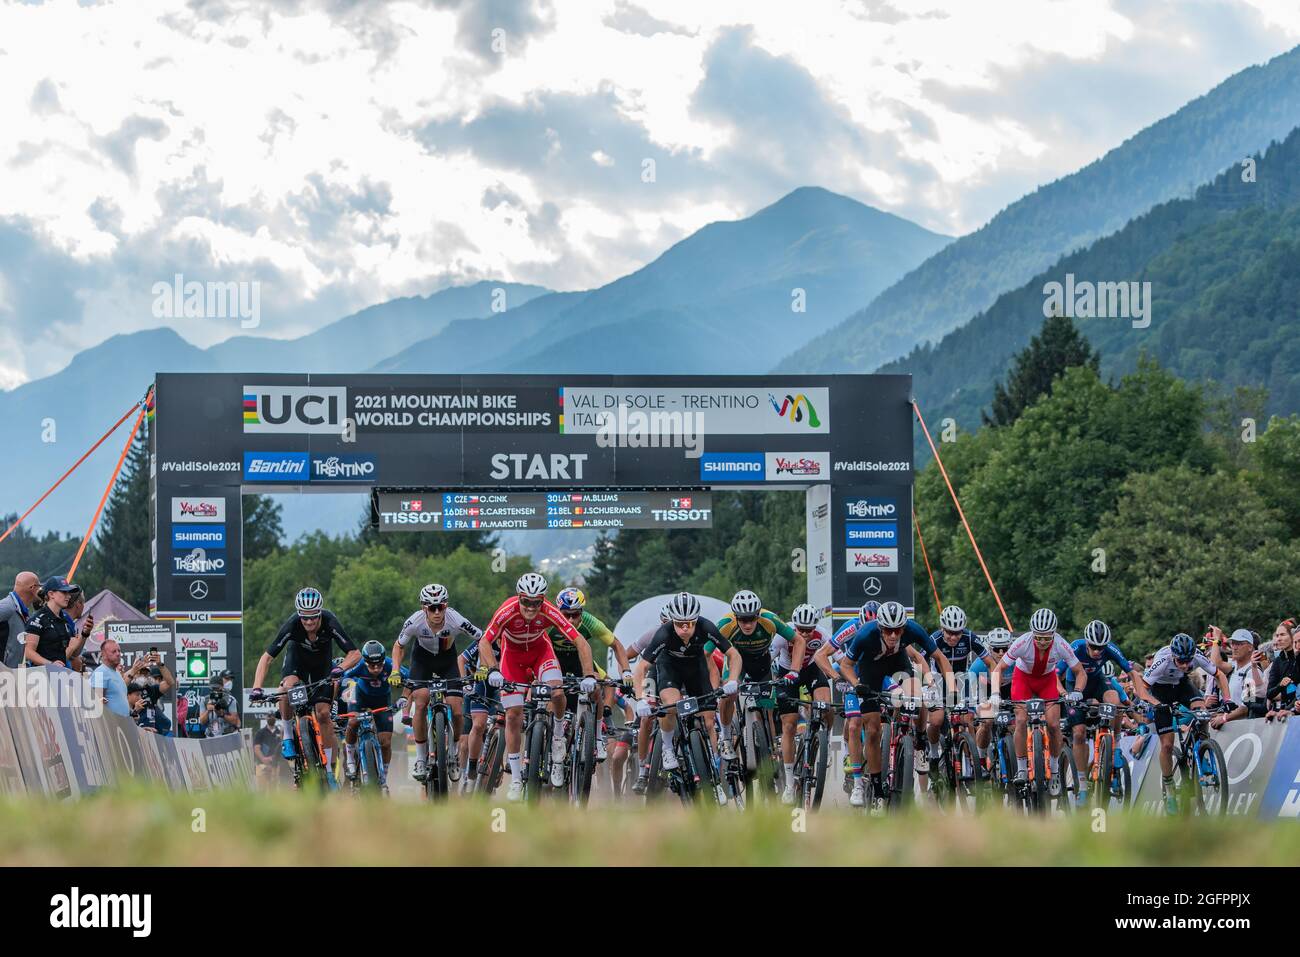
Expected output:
(137, 827)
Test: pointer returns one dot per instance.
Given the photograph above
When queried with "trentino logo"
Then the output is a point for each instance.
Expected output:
(342, 468)
(796, 408)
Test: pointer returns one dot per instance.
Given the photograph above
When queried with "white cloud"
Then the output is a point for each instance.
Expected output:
(251, 140)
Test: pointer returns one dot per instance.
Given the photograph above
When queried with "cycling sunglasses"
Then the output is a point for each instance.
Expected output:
(441, 606)
(530, 602)
(804, 631)
(747, 619)
(891, 631)
(572, 613)
(302, 617)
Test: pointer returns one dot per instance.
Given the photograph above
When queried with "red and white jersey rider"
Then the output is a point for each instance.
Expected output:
(526, 652)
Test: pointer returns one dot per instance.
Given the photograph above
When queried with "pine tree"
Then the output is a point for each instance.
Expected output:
(1057, 347)
(263, 529)
(120, 557)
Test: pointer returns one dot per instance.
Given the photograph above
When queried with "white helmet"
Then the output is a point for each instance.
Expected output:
(308, 601)
(1043, 622)
(433, 595)
(684, 607)
(745, 603)
(952, 618)
(804, 616)
(1096, 633)
(664, 616)
(531, 585)
(891, 615)
(998, 638)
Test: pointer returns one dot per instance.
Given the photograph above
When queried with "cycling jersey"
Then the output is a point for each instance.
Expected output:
(372, 690)
(781, 648)
(980, 668)
(666, 641)
(519, 632)
(313, 652)
(416, 628)
(767, 627)
(589, 627)
(1026, 657)
(962, 655)
(866, 643)
(1163, 670)
(1093, 666)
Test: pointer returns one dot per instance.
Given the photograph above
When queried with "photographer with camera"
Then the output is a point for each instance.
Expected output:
(142, 699)
(220, 712)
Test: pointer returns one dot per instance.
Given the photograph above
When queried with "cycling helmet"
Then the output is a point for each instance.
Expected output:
(1096, 633)
(1043, 622)
(531, 585)
(868, 611)
(433, 595)
(952, 618)
(804, 616)
(308, 601)
(684, 607)
(664, 615)
(372, 652)
(891, 615)
(337, 662)
(1108, 669)
(998, 638)
(745, 603)
(571, 599)
(1183, 647)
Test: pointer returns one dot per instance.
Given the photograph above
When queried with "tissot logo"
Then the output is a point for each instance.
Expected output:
(294, 409)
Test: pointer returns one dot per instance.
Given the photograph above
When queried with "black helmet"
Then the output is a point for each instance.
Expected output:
(373, 652)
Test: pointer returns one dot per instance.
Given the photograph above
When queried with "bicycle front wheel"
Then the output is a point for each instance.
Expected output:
(536, 753)
(1211, 769)
(371, 762)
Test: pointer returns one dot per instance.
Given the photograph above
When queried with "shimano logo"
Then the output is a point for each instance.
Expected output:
(731, 466)
(728, 467)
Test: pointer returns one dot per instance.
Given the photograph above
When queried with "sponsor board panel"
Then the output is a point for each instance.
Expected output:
(797, 466)
(1282, 794)
(716, 410)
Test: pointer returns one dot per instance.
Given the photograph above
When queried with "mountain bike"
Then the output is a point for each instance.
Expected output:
(763, 774)
(308, 762)
(492, 758)
(1036, 794)
(1200, 770)
(812, 754)
(1108, 773)
(371, 774)
(438, 717)
(537, 734)
(955, 776)
(580, 765)
(695, 769)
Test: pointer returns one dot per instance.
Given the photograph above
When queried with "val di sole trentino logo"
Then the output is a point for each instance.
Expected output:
(796, 408)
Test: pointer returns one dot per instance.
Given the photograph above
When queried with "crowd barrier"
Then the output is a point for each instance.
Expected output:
(55, 741)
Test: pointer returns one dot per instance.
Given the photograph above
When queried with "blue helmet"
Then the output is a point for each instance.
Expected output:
(1183, 647)
(571, 599)
(868, 611)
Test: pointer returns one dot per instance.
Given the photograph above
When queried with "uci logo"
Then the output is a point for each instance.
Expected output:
(294, 409)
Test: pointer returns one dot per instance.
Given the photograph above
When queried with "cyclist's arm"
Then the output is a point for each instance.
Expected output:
(822, 659)
(263, 664)
(734, 664)
(782, 628)
(638, 678)
(399, 648)
(1080, 676)
(918, 659)
(798, 646)
(940, 659)
(620, 655)
(848, 670)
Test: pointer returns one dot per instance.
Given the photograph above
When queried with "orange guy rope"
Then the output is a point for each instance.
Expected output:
(111, 482)
(125, 415)
(944, 472)
(929, 571)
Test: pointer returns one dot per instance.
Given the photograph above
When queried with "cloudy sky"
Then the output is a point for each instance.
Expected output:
(343, 153)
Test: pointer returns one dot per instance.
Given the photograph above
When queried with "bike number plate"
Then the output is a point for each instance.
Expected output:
(687, 706)
(1035, 707)
(1106, 712)
(436, 686)
(297, 696)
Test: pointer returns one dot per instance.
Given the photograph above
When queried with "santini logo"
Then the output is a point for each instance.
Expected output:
(76, 910)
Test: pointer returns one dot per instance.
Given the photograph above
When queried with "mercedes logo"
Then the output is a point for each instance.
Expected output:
(198, 590)
(871, 586)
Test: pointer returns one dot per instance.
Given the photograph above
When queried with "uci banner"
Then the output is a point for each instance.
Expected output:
(57, 740)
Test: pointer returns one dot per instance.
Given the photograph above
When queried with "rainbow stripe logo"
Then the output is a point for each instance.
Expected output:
(561, 410)
(794, 407)
(250, 409)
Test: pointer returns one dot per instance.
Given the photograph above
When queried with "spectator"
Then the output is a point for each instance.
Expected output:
(15, 609)
(220, 712)
(1283, 675)
(1245, 680)
(151, 670)
(145, 711)
(266, 750)
(51, 636)
(76, 607)
(108, 678)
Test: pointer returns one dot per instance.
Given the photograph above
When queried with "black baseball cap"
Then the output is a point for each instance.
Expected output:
(58, 583)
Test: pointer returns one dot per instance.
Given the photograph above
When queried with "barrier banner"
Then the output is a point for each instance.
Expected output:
(57, 739)
(1282, 796)
(1250, 748)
